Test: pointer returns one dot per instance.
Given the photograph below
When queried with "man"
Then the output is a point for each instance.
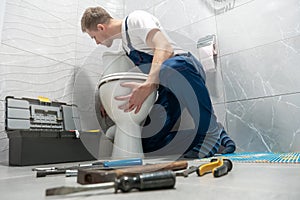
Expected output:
(176, 74)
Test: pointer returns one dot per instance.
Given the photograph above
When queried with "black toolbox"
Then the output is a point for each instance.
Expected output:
(42, 132)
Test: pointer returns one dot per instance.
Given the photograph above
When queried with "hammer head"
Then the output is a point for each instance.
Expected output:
(89, 176)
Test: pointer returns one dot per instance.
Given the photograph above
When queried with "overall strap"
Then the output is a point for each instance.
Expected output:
(127, 36)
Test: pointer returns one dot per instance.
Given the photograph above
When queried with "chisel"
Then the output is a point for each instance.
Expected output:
(146, 181)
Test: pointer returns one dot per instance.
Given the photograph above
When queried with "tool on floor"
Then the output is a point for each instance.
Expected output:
(72, 171)
(188, 171)
(92, 176)
(146, 181)
(219, 167)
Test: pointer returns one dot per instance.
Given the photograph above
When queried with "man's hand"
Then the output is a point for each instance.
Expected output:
(140, 92)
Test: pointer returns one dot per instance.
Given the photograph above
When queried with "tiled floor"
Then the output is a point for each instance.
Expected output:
(245, 181)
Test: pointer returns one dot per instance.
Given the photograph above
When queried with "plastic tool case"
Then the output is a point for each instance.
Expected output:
(42, 132)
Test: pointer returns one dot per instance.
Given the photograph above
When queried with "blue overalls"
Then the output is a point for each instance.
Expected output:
(181, 86)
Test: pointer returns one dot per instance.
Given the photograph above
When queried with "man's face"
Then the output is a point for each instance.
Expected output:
(100, 36)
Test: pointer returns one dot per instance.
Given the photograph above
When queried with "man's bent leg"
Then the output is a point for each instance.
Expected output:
(162, 118)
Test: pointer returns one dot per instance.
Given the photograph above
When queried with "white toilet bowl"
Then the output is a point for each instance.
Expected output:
(127, 137)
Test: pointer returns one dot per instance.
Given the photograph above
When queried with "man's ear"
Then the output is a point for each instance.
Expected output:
(100, 27)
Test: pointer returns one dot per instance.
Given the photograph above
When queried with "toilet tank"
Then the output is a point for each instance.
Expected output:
(115, 62)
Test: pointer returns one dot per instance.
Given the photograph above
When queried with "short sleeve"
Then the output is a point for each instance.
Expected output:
(140, 23)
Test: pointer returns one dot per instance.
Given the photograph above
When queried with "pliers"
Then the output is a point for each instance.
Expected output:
(218, 166)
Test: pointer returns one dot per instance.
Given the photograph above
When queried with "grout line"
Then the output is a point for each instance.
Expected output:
(262, 97)
(58, 61)
(266, 44)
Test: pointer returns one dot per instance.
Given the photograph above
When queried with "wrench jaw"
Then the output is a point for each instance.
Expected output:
(187, 172)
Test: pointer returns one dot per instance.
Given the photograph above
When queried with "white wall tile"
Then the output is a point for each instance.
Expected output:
(132, 5)
(2, 11)
(32, 29)
(199, 29)
(26, 74)
(220, 112)
(263, 71)
(174, 14)
(266, 124)
(114, 7)
(65, 10)
(257, 23)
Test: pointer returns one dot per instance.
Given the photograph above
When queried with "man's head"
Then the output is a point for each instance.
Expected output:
(95, 21)
(94, 16)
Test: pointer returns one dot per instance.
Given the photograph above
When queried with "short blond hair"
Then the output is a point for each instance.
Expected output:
(94, 16)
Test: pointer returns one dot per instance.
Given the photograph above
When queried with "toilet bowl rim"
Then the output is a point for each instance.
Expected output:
(123, 76)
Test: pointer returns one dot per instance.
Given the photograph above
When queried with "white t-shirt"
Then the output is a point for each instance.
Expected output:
(140, 23)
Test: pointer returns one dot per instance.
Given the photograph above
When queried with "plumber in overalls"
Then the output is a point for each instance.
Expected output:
(177, 76)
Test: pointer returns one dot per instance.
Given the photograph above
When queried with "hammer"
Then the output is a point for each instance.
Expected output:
(91, 176)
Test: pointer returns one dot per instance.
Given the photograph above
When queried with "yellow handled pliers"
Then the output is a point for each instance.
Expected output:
(218, 167)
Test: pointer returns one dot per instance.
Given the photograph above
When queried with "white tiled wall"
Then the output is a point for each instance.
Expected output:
(40, 28)
(266, 70)
(259, 47)
(3, 137)
(258, 43)
(44, 53)
(257, 23)
(37, 53)
(266, 124)
(256, 90)
(2, 9)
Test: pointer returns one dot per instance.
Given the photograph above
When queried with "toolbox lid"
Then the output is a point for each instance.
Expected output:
(36, 115)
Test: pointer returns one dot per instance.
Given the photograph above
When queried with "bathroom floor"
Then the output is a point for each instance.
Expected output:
(245, 181)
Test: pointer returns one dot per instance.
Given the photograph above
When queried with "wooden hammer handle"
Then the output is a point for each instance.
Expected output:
(177, 165)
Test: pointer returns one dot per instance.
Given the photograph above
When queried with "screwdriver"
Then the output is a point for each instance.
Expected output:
(145, 181)
(42, 172)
